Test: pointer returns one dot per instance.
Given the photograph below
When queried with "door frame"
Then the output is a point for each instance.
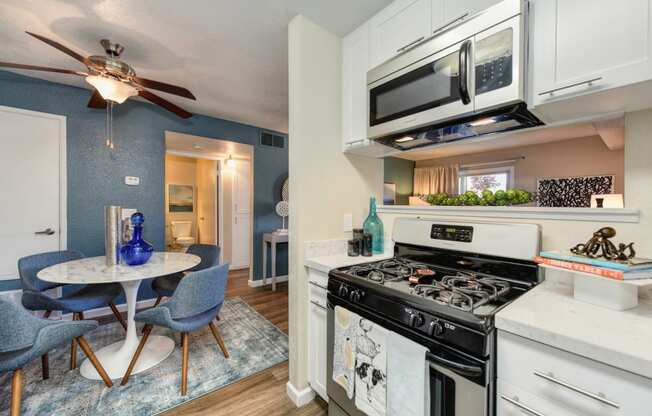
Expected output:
(63, 175)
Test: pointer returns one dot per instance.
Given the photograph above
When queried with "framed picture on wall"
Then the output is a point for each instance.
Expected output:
(573, 192)
(389, 193)
(181, 198)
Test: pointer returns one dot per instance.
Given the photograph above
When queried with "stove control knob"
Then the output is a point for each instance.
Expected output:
(344, 291)
(355, 296)
(416, 319)
(435, 329)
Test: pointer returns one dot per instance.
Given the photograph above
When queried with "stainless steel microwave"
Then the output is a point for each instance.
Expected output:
(469, 79)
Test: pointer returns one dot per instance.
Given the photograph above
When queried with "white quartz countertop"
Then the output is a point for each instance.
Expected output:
(549, 314)
(327, 263)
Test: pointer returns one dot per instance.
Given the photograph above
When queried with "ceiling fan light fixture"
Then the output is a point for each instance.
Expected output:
(111, 89)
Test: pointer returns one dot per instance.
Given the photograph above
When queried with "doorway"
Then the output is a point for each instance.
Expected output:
(208, 189)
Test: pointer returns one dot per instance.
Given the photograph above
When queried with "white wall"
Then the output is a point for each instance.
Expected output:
(324, 183)
(638, 195)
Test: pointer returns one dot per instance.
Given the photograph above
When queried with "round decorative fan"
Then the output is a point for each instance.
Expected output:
(285, 190)
(283, 211)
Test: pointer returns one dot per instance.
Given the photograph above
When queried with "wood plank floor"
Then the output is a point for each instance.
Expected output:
(263, 393)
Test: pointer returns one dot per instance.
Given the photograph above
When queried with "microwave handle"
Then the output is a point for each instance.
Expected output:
(464, 72)
(463, 369)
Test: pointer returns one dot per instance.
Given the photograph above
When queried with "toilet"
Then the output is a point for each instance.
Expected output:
(182, 233)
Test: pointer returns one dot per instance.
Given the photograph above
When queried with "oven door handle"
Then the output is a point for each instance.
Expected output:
(463, 369)
(464, 71)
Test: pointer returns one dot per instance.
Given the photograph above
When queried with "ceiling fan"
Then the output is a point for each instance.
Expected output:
(113, 79)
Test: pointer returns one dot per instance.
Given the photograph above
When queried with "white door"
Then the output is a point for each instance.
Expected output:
(583, 46)
(398, 27)
(241, 239)
(33, 183)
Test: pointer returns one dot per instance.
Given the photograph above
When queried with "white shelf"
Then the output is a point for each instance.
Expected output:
(610, 215)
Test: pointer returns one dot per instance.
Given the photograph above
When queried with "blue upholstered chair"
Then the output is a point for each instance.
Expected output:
(195, 304)
(24, 337)
(86, 297)
(164, 286)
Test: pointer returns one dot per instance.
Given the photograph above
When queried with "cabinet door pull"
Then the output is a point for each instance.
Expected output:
(318, 285)
(521, 406)
(318, 305)
(451, 22)
(414, 42)
(599, 397)
(565, 87)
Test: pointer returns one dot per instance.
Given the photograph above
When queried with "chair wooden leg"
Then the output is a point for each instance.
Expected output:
(73, 346)
(147, 330)
(45, 366)
(47, 314)
(93, 359)
(184, 364)
(218, 338)
(16, 392)
(118, 315)
(158, 300)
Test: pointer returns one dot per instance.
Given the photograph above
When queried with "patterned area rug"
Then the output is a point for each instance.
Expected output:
(254, 344)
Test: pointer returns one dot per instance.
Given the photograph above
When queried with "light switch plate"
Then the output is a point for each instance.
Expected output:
(347, 223)
(126, 213)
(132, 180)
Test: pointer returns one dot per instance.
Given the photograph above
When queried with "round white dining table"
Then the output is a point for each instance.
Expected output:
(115, 358)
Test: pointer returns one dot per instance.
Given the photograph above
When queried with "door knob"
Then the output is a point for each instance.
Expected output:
(47, 231)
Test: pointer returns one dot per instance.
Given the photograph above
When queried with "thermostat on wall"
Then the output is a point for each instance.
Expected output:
(132, 180)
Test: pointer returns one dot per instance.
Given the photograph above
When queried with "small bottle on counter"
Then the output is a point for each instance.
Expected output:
(374, 226)
(354, 247)
(367, 245)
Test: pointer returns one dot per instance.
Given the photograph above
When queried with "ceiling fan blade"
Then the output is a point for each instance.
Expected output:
(59, 46)
(162, 86)
(42, 68)
(164, 103)
(96, 100)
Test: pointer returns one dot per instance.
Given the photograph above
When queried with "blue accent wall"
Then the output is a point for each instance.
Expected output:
(96, 176)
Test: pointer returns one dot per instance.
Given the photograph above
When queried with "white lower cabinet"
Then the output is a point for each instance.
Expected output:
(555, 382)
(317, 329)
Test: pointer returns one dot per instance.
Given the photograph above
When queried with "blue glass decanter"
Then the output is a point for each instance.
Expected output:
(137, 251)
(374, 226)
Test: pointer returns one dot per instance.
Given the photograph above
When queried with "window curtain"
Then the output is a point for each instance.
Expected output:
(436, 179)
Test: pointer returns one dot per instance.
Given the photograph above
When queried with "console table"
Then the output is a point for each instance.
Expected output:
(272, 239)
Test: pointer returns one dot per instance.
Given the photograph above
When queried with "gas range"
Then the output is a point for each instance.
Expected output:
(441, 290)
(446, 281)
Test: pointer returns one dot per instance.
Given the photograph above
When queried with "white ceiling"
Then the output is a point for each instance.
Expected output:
(232, 54)
(204, 147)
(614, 140)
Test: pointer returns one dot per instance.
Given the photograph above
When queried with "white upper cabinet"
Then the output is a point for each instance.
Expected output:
(447, 13)
(586, 46)
(398, 27)
(355, 62)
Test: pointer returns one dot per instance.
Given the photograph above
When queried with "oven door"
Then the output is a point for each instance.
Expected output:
(458, 384)
(432, 89)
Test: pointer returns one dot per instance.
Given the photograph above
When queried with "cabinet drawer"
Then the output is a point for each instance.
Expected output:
(317, 294)
(573, 382)
(513, 401)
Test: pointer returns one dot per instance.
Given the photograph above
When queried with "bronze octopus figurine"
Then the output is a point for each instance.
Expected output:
(600, 246)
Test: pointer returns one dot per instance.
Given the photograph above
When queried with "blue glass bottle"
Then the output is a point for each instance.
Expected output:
(137, 251)
(374, 226)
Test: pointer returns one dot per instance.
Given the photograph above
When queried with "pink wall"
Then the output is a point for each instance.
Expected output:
(584, 156)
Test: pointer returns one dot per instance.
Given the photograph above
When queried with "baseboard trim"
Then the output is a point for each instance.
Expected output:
(259, 282)
(300, 398)
(96, 313)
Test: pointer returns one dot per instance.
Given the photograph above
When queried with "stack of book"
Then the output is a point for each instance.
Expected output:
(636, 268)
